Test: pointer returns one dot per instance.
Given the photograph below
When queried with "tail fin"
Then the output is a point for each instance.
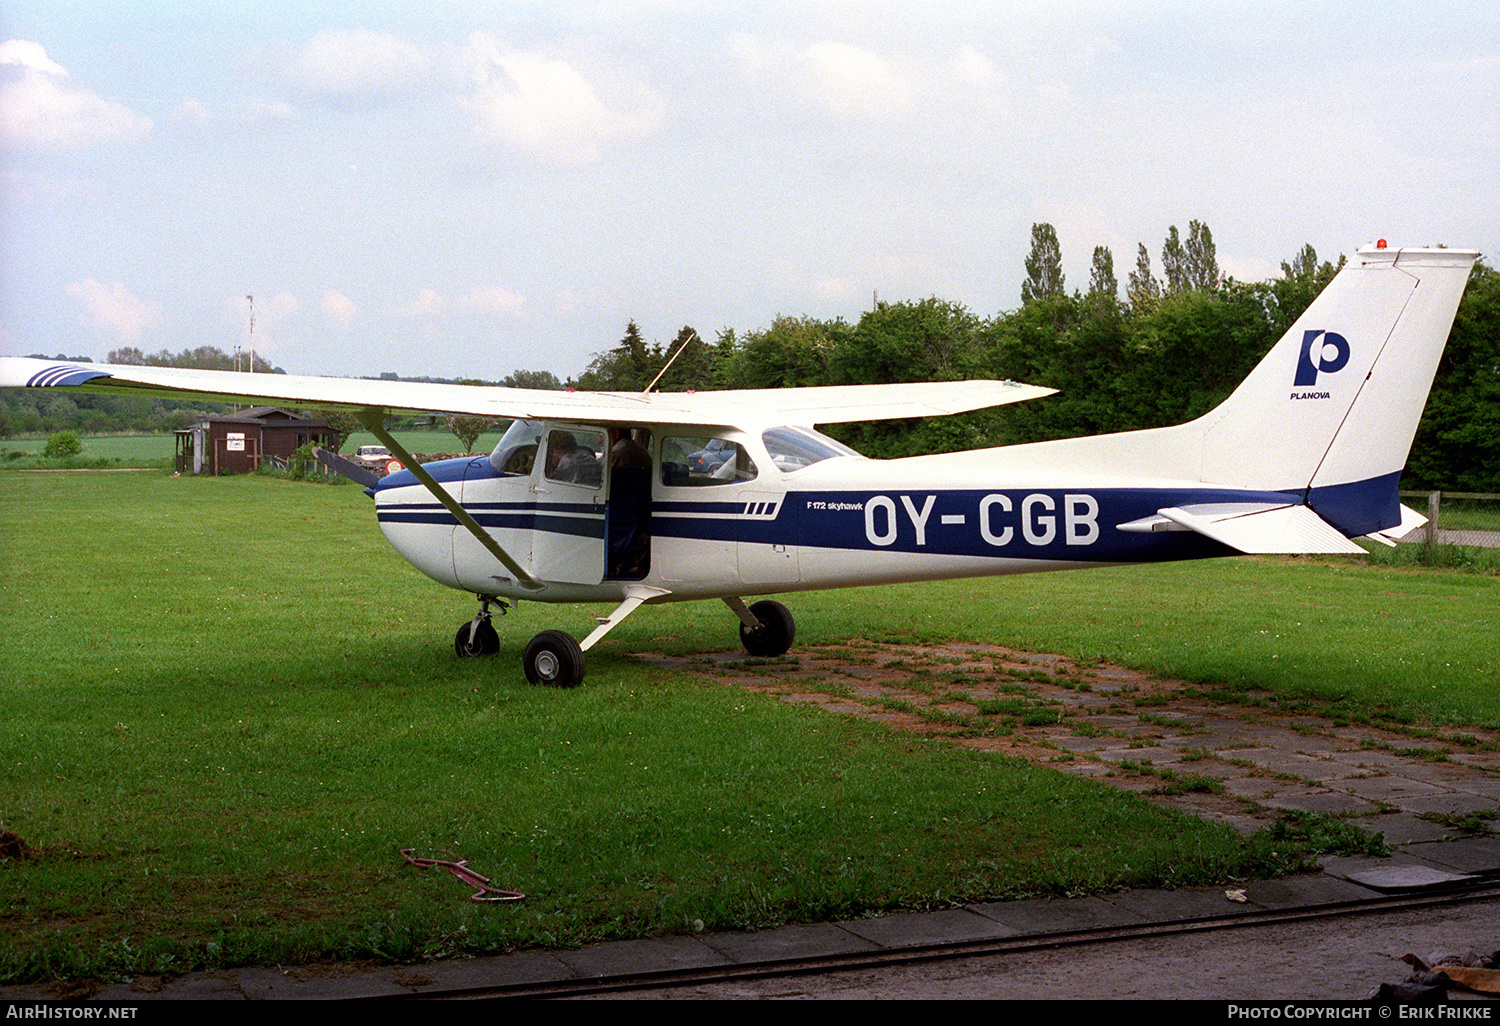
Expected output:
(1326, 418)
(1332, 409)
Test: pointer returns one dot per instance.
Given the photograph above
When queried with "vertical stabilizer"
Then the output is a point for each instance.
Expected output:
(1333, 407)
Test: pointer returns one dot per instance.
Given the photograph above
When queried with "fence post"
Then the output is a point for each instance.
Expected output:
(1434, 504)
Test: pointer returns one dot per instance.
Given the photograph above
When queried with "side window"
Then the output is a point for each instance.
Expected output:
(575, 457)
(693, 462)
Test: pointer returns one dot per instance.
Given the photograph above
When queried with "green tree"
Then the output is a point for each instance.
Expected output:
(468, 429)
(1104, 288)
(62, 445)
(201, 358)
(1201, 268)
(1044, 273)
(341, 422)
(693, 364)
(930, 340)
(531, 379)
(625, 368)
(793, 351)
(1144, 291)
(1174, 263)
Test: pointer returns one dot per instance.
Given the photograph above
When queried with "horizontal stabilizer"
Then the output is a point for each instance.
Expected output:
(1252, 527)
(1410, 521)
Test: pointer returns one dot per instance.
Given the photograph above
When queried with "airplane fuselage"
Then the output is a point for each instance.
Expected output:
(842, 521)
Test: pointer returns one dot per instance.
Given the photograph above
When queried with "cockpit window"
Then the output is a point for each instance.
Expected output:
(704, 461)
(793, 448)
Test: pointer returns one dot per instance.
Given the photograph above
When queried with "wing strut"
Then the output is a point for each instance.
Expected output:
(374, 422)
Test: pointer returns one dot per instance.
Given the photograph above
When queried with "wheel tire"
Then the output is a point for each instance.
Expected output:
(486, 642)
(554, 659)
(777, 630)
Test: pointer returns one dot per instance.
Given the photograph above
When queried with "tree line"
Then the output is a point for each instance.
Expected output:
(1171, 349)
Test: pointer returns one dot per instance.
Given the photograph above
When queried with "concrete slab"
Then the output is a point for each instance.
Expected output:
(801, 941)
(616, 957)
(914, 929)
(1050, 915)
(498, 971)
(1465, 855)
(1305, 889)
(1161, 906)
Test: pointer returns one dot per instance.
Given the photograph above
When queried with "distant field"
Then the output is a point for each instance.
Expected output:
(228, 704)
(131, 450)
(158, 450)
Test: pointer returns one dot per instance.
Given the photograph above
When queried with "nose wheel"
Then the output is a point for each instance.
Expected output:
(478, 637)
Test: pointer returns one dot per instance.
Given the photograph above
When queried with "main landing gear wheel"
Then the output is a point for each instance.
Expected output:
(555, 659)
(476, 639)
(776, 631)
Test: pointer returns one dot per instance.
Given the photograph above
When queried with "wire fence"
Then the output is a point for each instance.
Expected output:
(1456, 518)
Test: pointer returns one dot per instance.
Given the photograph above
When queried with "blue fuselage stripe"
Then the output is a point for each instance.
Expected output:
(1070, 525)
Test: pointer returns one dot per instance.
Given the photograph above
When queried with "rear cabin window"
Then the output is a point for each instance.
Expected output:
(704, 462)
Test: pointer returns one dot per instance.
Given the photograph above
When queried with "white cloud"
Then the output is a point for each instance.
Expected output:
(112, 308)
(40, 108)
(545, 108)
(192, 111)
(851, 80)
(426, 304)
(359, 62)
(269, 110)
(495, 300)
(974, 68)
(26, 54)
(339, 308)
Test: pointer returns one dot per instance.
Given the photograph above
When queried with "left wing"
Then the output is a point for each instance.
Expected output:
(833, 404)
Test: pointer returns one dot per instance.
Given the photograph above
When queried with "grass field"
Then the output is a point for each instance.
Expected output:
(227, 705)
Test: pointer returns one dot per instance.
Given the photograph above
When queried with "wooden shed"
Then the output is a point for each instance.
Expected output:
(237, 444)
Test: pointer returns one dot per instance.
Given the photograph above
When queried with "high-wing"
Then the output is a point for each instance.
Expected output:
(834, 404)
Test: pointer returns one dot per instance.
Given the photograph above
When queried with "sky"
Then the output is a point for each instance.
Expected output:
(465, 189)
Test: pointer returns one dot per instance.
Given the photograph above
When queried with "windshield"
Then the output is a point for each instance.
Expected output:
(793, 448)
(516, 451)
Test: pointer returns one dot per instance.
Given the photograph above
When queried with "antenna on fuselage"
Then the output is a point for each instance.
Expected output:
(675, 355)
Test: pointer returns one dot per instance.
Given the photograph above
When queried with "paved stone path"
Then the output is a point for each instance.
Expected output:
(1239, 764)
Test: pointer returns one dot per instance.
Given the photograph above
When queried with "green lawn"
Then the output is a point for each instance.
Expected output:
(227, 705)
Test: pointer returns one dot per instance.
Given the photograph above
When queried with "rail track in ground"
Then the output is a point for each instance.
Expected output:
(1344, 914)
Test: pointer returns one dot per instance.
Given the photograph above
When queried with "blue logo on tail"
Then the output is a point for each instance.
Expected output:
(1308, 368)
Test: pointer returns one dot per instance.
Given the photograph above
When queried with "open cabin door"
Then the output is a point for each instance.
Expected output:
(568, 544)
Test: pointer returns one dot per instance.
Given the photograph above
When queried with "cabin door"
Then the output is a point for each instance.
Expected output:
(567, 543)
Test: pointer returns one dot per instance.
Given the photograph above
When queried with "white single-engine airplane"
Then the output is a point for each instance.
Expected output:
(635, 499)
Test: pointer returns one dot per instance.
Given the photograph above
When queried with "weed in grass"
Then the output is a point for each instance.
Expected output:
(946, 717)
(1083, 728)
(1328, 834)
(1170, 722)
(1477, 822)
(1190, 783)
(1001, 706)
